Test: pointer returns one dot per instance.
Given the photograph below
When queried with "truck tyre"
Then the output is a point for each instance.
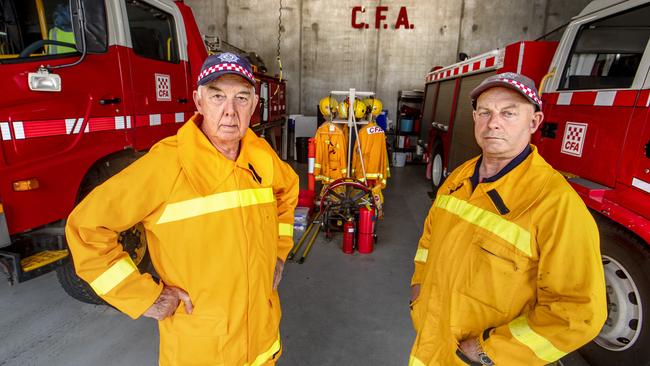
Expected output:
(132, 240)
(625, 336)
(437, 176)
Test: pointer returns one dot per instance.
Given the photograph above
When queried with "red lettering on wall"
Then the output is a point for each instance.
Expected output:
(379, 16)
(403, 19)
(355, 10)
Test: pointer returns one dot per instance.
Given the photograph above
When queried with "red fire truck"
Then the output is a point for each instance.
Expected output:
(88, 86)
(596, 91)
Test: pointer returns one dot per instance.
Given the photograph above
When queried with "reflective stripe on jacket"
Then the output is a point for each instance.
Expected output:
(214, 227)
(516, 261)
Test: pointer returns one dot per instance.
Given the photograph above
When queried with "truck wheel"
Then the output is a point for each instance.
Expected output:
(132, 240)
(437, 176)
(624, 338)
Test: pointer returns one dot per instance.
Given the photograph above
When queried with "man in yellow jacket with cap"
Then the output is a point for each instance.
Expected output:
(508, 269)
(217, 206)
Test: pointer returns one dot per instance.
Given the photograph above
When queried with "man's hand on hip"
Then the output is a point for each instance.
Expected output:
(470, 348)
(415, 292)
(167, 303)
(277, 276)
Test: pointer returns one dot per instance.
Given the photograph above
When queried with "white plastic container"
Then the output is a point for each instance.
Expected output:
(399, 159)
(301, 215)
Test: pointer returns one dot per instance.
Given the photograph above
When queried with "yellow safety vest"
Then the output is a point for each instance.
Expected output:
(57, 34)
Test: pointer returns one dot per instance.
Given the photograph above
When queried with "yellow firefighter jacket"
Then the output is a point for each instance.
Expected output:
(373, 151)
(515, 263)
(331, 153)
(214, 227)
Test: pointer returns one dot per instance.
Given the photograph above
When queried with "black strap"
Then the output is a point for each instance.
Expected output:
(464, 358)
(258, 179)
(498, 202)
(486, 334)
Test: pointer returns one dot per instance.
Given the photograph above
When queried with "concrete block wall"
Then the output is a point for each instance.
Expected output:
(321, 51)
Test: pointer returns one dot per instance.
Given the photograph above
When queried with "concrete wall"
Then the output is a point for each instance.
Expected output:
(321, 51)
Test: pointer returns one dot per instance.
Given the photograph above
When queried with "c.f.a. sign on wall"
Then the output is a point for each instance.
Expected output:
(360, 15)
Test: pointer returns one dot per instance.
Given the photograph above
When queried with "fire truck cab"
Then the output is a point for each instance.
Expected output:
(89, 86)
(595, 86)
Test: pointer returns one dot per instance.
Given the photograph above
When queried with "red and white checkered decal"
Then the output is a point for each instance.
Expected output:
(524, 89)
(487, 61)
(163, 87)
(21, 130)
(224, 66)
(574, 138)
(600, 98)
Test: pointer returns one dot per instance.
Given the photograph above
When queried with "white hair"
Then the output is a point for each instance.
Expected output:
(201, 87)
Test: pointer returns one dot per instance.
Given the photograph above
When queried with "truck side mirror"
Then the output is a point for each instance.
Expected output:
(89, 25)
(76, 15)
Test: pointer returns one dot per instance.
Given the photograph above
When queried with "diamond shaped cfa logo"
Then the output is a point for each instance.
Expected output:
(163, 87)
(574, 138)
(228, 57)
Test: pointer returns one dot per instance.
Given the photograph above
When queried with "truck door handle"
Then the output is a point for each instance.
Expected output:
(110, 101)
(549, 129)
(182, 100)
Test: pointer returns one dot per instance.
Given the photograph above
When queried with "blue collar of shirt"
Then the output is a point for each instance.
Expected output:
(506, 169)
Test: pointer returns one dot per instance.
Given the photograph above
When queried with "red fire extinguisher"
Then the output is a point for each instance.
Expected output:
(366, 238)
(348, 237)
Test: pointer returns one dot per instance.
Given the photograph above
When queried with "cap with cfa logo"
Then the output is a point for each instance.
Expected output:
(517, 82)
(225, 63)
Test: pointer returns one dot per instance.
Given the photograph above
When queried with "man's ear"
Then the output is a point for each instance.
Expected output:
(197, 100)
(538, 118)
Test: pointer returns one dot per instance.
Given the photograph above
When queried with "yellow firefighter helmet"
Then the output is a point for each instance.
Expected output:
(359, 109)
(327, 106)
(343, 109)
(374, 105)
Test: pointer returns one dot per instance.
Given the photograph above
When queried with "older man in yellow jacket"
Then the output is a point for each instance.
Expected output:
(508, 269)
(217, 204)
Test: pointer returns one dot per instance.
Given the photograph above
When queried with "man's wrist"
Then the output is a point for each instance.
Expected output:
(483, 357)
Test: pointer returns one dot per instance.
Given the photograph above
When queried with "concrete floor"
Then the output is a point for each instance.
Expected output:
(337, 309)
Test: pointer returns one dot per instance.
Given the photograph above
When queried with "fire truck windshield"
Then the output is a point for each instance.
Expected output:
(46, 23)
(607, 52)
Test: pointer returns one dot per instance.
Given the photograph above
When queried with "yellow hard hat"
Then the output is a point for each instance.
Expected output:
(359, 109)
(327, 105)
(374, 105)
(343, 109)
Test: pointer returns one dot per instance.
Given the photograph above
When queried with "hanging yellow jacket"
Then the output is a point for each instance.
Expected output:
(331, 153)
(375, 156)
(515, 263)
(214, 227)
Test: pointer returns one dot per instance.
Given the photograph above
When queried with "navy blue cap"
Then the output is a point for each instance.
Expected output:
(225, 63)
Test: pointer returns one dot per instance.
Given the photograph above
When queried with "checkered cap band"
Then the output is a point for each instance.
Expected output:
(524, 89)
(223, 67)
